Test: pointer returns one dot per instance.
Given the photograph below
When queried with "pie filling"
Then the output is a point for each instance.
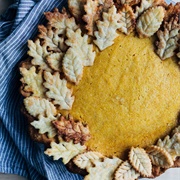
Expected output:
(130, 97)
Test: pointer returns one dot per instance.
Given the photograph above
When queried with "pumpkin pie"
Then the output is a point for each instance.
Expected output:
(101, 87)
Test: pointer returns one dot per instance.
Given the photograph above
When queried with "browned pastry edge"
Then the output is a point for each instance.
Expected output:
(74, 169)
(177, 162)
(34, 134)
(25, 64)
(42, 138)
(130, 3)
(171, 10)
(157, 171)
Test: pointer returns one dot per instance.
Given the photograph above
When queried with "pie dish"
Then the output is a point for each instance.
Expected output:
(101, 87)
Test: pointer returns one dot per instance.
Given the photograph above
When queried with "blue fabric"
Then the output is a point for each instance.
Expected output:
(18, 154)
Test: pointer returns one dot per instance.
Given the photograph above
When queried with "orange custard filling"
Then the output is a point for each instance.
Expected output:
(129, 97)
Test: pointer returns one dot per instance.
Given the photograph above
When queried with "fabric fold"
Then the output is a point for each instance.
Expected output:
(18, 153)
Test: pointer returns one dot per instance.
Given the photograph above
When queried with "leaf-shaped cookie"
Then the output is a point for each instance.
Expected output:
(168, 38)
(107, 29)
(81, 46)
(72, 66)
(126, 172)
(54, 61)
(64, 150)
(92, 14)
(160, 3)
(44, 124)
(76, 8)
(150, 21)
(140, 161)
(159, 157)
(33, 82)
(39, 106)
(50, 37)
(172, 10)
(58, 91)
(171, 145)
(70, 129)
(60, 21)
(86, 160)
(145, 4)
(105, 4)
(103, 169)
(39, 53)
(127, 19)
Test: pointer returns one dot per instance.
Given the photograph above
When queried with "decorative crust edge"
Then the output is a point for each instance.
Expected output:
(156, 170)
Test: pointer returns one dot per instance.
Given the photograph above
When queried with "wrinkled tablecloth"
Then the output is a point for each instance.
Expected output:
(18, 153)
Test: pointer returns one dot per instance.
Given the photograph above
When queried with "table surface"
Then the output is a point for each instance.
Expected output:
(171, 174)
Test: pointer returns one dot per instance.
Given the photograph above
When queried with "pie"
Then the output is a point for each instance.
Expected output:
(101, 87)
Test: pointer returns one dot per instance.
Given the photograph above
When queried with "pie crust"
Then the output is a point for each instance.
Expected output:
(64, 50)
